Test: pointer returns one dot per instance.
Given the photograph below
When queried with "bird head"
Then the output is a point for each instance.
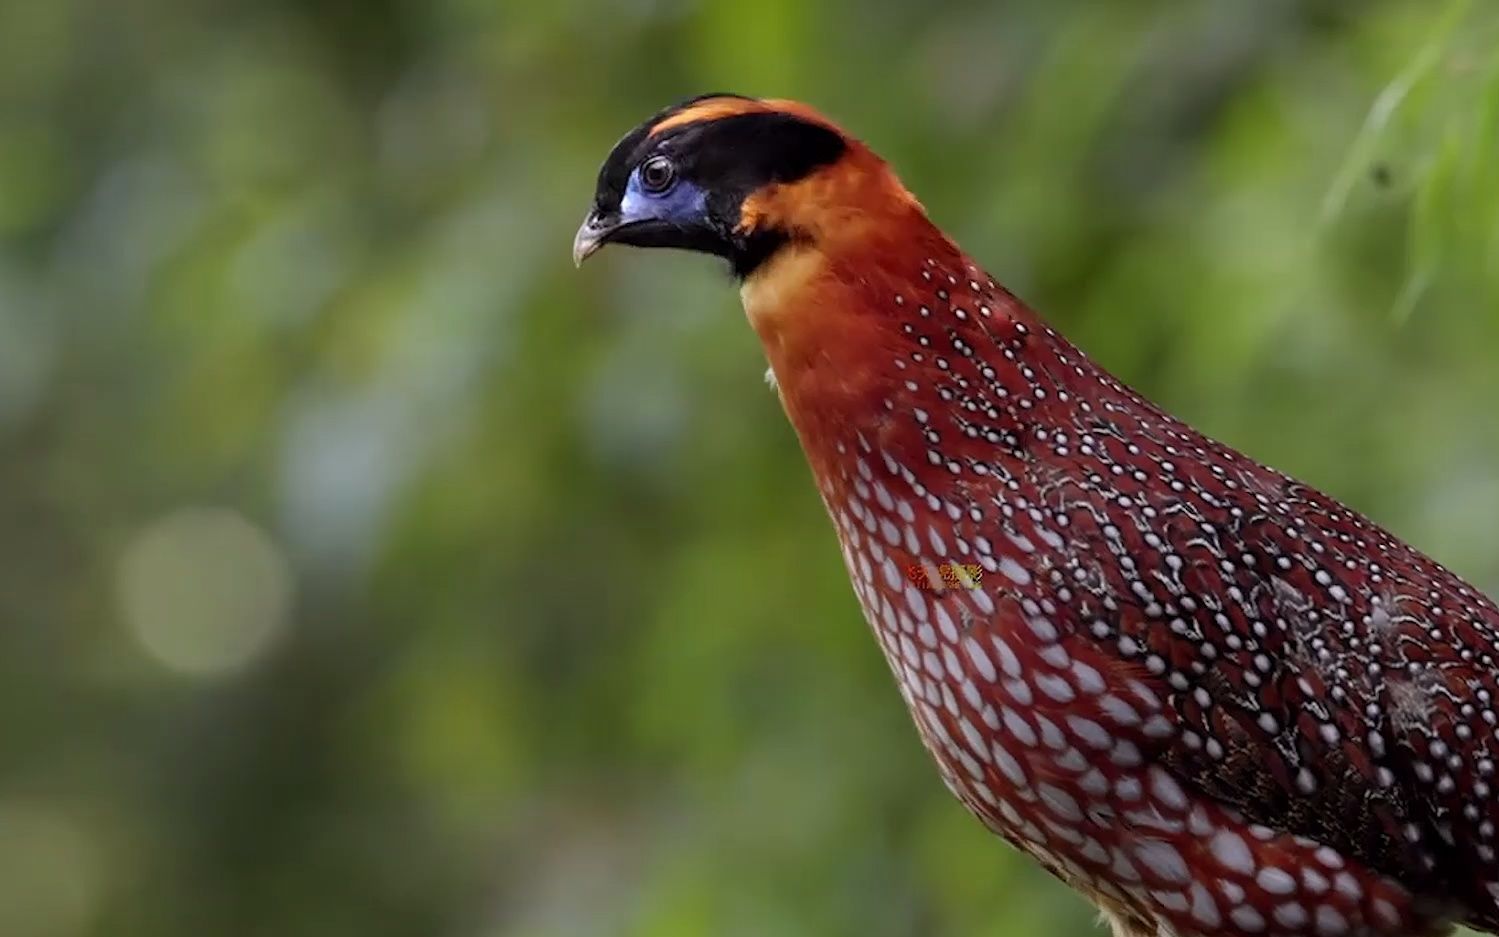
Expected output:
(738, 178)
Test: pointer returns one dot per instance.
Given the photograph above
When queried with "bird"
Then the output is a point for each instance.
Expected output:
(1212, 699)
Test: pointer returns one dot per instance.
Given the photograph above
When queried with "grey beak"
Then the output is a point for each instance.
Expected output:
(593, 235)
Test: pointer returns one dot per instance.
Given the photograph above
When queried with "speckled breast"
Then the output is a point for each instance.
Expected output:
(1050, 567)
(1049, 744)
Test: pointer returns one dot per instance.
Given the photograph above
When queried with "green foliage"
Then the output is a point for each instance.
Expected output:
(367, 570)
(1450, 135)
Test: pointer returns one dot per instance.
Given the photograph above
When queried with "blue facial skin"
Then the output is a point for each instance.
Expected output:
(683, 204)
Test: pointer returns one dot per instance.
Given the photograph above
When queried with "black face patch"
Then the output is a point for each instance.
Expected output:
(728, 158)
(634, 146)
(749, 151)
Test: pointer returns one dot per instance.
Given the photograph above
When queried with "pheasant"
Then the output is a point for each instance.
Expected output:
(1209, 697)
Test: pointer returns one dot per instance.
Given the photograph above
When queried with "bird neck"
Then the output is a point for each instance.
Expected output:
(889, 340)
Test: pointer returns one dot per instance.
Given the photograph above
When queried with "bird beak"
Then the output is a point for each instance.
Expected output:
(593, 235)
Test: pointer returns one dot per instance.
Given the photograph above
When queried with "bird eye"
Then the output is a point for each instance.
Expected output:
(657, 174)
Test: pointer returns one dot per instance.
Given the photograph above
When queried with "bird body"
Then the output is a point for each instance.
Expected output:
(1214, 700)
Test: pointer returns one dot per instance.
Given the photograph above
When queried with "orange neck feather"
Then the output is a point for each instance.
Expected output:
(826, 314)
(838, 309)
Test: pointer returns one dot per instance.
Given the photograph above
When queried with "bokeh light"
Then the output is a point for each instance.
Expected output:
(51, 872)
(204, 591)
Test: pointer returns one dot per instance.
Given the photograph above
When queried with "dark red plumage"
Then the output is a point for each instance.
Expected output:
(1210, 697)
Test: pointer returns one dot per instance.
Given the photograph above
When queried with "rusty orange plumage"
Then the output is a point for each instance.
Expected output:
(1211, 698)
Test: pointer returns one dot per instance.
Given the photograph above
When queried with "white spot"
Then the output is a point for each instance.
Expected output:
(1087, 677)
(1042, 628)
(890, 532)
(1090, 733)
(1329, 857)
(1055, 687)
(891, 574)
(1204, 908)
(913, 543)
(1291, 915)
(1025, 545)
(1125, 754)
(1018, 727)
(1008, 662)
(1068, 834)
(909, 651)
(1118, 711)
(1019, 691)
(1008, 765)
(1247, 919)
(1145, 694)
(1348, 885)
(1072, 760)
(1315, 881)
(1275, 881)
(1330, 922)
(986, 795)
(971, 694)
(976, 655)
(1167, 792)
(950, 701)
(1232, 852)
(916, 601)
(1055, 655)
(1011, 815)
(1123, 870)
(1385, 912)
(1170, 900)
(973, 738)
(1050, 734)
(1152, 818)
(933, 666)
(1163, 861)
(1157, 727)
(1198, 823)
(981, 601)
(1060, 803)
(949, 630)
(1093, 851)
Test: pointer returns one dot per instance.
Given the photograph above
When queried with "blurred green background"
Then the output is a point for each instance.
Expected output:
(367, 570)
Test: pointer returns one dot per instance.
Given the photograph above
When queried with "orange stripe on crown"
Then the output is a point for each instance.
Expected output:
(719, 108)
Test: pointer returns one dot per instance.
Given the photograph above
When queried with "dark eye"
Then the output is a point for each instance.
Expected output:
(657, 174)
